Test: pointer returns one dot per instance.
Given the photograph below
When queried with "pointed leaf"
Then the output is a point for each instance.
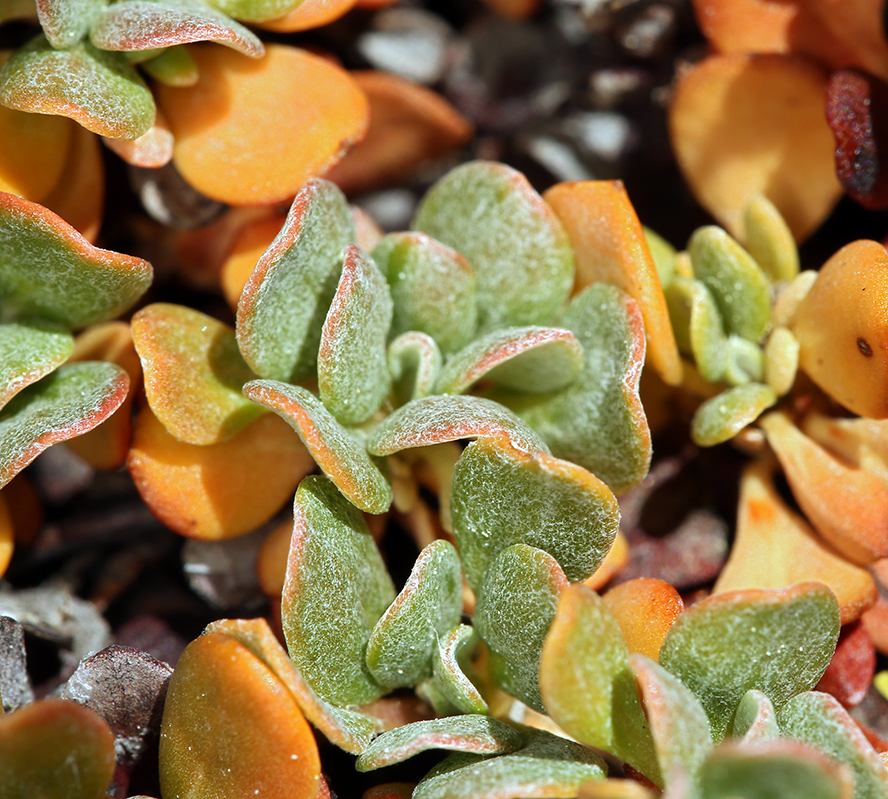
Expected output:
(338, 452)
(282, 308)
(514, 610)
(698, 325)
(502, 496)
(68, 402)
(719, 419)
(449, 681)
(434, 420)
(66, 22)
(535, 359)
(476, 209)
(96, 88)
(194, 373)
(352, 365)
(404, 640)
(545, 766)
(433, 288)
(336, 590)
(414, 362)
(480, 735)
(29, 350)
(48, 269)
(779, 642)
(755, 719)
(154, 24)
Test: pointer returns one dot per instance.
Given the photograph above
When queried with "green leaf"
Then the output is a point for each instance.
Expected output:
(515, 607)
(744, 361)
(546, 766)
(30, 350)
(153, 24)
(66, 22)
(404, 640)
(588, 686)
(255, 10)
(96, 88)
(480, 735)
(173, 66)
(352, 365)
(194, 373)
(336, 589)
(433, 288)
(502, 496)
(535, 359)
(598, 422)
(778, 642)
(663, 254)
(67, 403)
(769, 240)
(699, 329)
(434, 420)
(340, 453)
(755, 719)
(449, 688)
(722, 417)
(741, 290)
(414, 362)
(48, 269)
(516, 245)
(819, 719)
(285, 301)
(781, 363)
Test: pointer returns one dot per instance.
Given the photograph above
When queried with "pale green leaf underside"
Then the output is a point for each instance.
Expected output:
(478, 734)
(778, 642)
(337, 587)
(516, 245)
(722, 417)
(414, 362)
(29, 350)
(66, 22)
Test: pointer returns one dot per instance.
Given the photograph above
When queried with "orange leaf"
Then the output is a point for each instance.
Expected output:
(308, 14)
(250, 243)
(613, 563)
(153, 149)
(7, 539)
(253, 131)
(645, 609)
(33, 152)
(272, 562)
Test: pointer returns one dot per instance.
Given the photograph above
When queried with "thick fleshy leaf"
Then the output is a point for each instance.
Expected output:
(55, 749)
(587, 683)
(545, 766)
(514, 610)
(34, 152)
(781, 364)
(307, 15)
(352, 365)
(66, 22)
(251, 232)
(155, 24)
(534, 359)
(173, 66)
(698, 325)
(433, 288)
(68, 402)
(231, 729)
(775, 548)
(255, 10)
(738, 285)
(609, 244)
(779, 642)
(336, 590)
(194, 373)
(755, 718)
(405, 639)
(842, 332)
(339, 453)
(414, 362)
(221, 129)
(598, 422)
(96, 88)
(502, 495)
(471, 733)
(48, 269)
(30, 350)
(719, 419)
(818, 719)
(645, 608)
(769, 240)
(858, 442)
(434, 420)
(284, 303)
(449, 682)
(219, 490)
(476, 209)
(152, 150)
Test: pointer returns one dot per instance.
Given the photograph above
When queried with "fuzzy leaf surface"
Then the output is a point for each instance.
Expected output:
(153, 24)
(66, 22)
(404, 640)
(352, 361)
(194, 373)
(719, 419)
(480, 735)
(285, 301)
(414, 362)
(433, 288)
(337, 588)
(597, 421)
(339, 453)
(778, 642)
(68, 402)
(545, 766)
(476, 209)
(48, 269)
(96, 88)
(514, 610)
(449, 681)
(30, 350)
(502, 496)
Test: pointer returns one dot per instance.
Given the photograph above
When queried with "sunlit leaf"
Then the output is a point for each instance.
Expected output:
(719, 419)
(645, 608)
